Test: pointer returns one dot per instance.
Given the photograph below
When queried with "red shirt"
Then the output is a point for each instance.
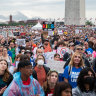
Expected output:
(26, 82)
(51, 93)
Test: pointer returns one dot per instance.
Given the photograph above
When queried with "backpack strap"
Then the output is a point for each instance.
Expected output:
(69, 69)
(82, 67)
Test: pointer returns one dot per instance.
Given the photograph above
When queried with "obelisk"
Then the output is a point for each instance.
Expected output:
(74, 12)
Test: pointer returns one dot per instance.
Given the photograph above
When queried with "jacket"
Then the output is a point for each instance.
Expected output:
(35, 74)
(17, 88)
(77, 92)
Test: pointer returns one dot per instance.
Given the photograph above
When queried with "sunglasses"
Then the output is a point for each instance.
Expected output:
(79, 49)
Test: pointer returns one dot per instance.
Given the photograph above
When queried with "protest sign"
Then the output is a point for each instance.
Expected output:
(65, 33)
(49, 55)
(76, 31)
(50, 33)
(56, 65)
(60, 32)
(48, 26)
(20, 42)
(62, 51)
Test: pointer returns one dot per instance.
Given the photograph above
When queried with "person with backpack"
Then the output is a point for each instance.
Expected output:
(72, 71)
(79, 49)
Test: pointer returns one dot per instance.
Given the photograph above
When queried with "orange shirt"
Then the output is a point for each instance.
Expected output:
(41, 74)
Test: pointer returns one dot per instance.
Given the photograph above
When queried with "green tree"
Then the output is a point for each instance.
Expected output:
(89, 23)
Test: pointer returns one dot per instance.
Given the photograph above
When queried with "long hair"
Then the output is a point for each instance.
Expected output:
(6, 73)
(60, 87)
(46, 87)
(81, 64)
(80, 80)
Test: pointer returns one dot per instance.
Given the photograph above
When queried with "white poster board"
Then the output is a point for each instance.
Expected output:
(56, 65)
(50, 33)
(77, 31)
(49, 55)
(20, 42)
(60, 32)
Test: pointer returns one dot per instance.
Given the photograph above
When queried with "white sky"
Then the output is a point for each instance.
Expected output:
(42, 8)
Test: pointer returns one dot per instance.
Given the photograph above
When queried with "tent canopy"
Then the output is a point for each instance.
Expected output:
(38, 26)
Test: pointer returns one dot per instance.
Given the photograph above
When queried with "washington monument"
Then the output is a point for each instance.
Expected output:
(75, 12)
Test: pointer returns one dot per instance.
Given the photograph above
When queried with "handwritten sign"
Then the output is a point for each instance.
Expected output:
(56, 65)
(49, 55)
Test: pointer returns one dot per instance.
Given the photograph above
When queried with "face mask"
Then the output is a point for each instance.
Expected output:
(40, 62)
(22, 53)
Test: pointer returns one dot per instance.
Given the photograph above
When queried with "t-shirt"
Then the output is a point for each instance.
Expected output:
(41, 74)
(89, 51)
(51, 93)
(26, 82)
(72, 78)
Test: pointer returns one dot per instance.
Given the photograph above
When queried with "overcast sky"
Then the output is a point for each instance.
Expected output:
(42, 8)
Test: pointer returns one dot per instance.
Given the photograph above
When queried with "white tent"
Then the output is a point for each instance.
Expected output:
(38, 26)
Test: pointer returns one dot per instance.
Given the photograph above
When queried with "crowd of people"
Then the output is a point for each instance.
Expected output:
(24, 70)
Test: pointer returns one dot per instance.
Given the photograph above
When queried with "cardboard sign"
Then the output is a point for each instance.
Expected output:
(62, 51)
(20, 42)
(56, 65)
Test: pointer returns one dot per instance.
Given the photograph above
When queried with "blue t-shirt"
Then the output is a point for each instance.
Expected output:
(89, 51)
(72, 77)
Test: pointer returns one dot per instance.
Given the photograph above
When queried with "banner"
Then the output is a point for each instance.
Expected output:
(48, 26)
